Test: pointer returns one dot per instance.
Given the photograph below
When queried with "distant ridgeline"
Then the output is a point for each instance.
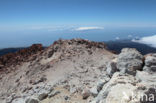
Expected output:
(119, 44)
(116, 46)
(9, 50)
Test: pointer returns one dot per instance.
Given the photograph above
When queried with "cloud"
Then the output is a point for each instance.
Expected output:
(117, 38)
(149, 40)
(130, 36)
(62, 28)
(88, 28)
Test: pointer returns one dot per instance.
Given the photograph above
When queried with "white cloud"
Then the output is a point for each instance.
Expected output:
(130, 36)
(88, 28)
(149, 40)
(117, 38)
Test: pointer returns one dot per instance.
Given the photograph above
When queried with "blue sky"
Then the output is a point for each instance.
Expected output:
(104, 12)
(23, 22)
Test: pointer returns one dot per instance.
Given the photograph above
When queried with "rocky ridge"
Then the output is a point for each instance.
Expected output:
(82, 71)
(24, 55)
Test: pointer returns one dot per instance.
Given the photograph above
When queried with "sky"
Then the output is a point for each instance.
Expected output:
(24, 22)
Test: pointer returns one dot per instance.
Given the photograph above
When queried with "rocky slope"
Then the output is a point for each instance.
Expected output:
(81, 71)
(23, 55)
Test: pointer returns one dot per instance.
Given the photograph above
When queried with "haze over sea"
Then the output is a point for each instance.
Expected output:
(25, 22)
(47, 36)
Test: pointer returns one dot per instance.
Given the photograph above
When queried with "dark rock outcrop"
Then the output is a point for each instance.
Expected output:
(24, 55)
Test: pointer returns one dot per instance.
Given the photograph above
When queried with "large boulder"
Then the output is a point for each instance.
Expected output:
(122, 93)
(113, 89)
(146, 79)
(125, 88)
(148, 84)
(150, 63)
(129, 61)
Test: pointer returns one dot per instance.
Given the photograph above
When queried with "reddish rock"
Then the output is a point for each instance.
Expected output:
(24, 55)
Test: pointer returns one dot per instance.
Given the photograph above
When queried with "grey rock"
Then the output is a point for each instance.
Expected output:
(18, 100)
(100, 84)
(112, 91)
(94, 91)
(38, 80)
(85, 93)
(73, 90)
(42, 96)
(135, 88)
(32, 100)
(129, 61)
(111, 68)
(11, 98)
(150, 63)
(66, 97)
(52, 94)
(146, 78)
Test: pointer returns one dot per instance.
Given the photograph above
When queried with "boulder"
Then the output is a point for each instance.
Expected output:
(150, 63)
(42, 96)
(94, 91)
(66, 97)
(113, 89)
(37, 80)
(53, 93)
(129, 61)
(146, 79)
(126, 88)
(32, 100)
(111, 68)
(85, 93)
(122, 93)
(100, 84)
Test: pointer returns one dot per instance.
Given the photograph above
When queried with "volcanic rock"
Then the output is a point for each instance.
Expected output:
(24, 55)
(31, 100)
(62, 71)
(150, 63)
(129, 61)
(112, 67)
(85, 93)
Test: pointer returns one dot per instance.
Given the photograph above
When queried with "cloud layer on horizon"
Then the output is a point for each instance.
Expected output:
(71, 28)
(88, 28)
(149, 40)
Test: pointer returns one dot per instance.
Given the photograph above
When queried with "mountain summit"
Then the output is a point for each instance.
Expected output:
(77, 71)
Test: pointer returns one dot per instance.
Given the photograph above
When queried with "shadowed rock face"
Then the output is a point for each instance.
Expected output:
(13, 59)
